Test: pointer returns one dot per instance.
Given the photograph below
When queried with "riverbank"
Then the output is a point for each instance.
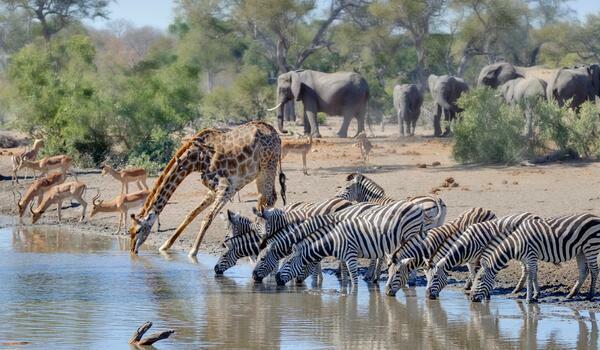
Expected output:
(549, 190)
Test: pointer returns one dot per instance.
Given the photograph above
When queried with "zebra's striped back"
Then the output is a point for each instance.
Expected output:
(555, 240)
(274, 219)
(469, 246)
(281, 243)
(372, 235)
(421, 253)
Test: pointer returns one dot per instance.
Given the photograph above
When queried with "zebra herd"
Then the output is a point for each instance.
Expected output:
(360, 221)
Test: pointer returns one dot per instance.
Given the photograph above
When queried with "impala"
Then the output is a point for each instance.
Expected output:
(121, 203)
(37, 189)
(56, 195)
(137, 175)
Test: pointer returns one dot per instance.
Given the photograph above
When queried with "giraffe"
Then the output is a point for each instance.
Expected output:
(227, 159)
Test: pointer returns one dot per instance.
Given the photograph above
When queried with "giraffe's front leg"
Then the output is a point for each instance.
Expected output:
(218, 204)
(208, 200)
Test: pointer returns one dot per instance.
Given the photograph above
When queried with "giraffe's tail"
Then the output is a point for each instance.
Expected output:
(282, 184)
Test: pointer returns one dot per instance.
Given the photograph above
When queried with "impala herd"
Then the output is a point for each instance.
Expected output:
(50, 188)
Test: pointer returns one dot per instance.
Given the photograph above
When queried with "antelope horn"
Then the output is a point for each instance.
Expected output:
(31, 208)
(17, 201)
(274, 108)
(95, 198)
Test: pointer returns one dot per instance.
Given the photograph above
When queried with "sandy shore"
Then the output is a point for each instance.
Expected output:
(548, 190)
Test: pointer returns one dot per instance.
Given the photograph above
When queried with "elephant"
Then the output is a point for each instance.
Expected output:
(523, 90)
(407, 102)
(496, 74)
(445, 91)
(577, 84)
(342, 93)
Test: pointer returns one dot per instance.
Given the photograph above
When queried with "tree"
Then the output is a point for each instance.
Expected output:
(54, 15)
(416, 18)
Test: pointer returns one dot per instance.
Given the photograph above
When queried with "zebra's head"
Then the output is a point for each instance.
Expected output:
(359, 188)
(267, 262)
(484, 283)
(291, 268)
(238, 224)
(398, 273)
(268, 220)
(437, 279)
(241, 240)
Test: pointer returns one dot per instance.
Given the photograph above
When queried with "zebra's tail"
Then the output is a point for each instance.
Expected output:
(282, 182)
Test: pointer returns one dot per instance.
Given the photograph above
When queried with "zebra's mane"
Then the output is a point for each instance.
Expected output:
(374, 189)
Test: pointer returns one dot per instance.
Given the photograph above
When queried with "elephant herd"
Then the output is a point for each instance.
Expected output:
(346, 94)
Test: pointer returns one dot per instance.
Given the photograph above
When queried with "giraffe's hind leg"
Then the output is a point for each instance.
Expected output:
(208, 200)
(265, 184)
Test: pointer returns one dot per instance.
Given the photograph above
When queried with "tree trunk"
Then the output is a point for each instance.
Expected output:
(421, 79)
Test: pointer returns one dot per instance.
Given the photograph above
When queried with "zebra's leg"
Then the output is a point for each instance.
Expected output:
(373, 264)
(352, 265)
(522, 279)
(583, 272)
(532, 283)
(472, 272)
(342, 273)
(318, 275)
(412, 278)
(592, 263)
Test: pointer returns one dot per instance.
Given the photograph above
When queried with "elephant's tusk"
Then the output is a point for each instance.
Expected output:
(274, 108)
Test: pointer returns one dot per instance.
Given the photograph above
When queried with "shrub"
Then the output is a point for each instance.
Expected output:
(153, 153)
(488, 130)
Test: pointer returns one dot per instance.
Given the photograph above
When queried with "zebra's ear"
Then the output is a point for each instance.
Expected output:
(231, 216)
(258, 213)
(429, 263)
(407, 261)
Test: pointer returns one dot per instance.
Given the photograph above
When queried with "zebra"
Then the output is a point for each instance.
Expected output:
(243, 240)
(369, 237)
(417, 254)
(360, 188)
(574, 236)
(274, 219)
(283, 240)
(468, 248)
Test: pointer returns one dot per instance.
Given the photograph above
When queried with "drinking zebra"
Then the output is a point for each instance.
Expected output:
(282, 241)
(560, 240)
(416, 254)
(369, 237)
(244, 237)
(468, 248)
(360, 188)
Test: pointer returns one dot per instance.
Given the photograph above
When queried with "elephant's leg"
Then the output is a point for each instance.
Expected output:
(343, 132)
(448, 117)
(401, 124)
(360, 120)
(414, 125)
(314, 126)
(306, 124)
(437, 128)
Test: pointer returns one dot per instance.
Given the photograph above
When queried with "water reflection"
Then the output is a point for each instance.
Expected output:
(79, 291)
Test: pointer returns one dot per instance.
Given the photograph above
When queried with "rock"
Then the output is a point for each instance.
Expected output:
(454, 184)
(504, 182)
(449, 180)
(436, 163)
(422, 166)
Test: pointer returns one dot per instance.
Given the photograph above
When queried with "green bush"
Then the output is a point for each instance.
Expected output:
(153, 153)
(488, 130)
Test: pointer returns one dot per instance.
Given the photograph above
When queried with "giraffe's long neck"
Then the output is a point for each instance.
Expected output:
(176, 171)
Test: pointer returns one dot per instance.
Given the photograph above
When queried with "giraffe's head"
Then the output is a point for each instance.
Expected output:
(139, 231)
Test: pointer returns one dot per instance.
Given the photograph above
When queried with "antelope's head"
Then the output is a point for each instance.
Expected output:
(96, 204)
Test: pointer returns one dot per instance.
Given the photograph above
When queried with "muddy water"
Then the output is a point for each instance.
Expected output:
(69, 291)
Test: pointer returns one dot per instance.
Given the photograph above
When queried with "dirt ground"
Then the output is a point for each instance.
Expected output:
(547, 190)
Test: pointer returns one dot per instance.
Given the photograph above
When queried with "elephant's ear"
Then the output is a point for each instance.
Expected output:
(296, 85)
(594, 71)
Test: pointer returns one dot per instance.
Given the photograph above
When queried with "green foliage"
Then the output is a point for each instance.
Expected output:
(248, 98)
(488, 130)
